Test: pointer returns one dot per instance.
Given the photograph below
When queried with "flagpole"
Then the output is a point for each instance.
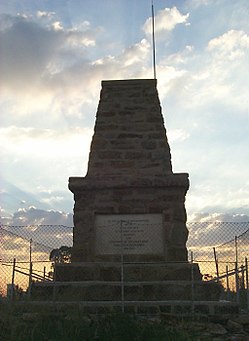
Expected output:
(153, 39)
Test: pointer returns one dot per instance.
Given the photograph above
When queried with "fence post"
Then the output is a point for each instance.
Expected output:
(237, 282)
(216, 264)
(13, 280)
(192, 281)
(54, 283)
(247, 284)
(30, 250)
(122, 265)
(227, 283)
(243, 270)
(236, 268)
(30, 279)
(236, 249)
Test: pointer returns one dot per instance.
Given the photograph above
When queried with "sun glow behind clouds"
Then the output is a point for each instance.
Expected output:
(54, 58)
(44, 142)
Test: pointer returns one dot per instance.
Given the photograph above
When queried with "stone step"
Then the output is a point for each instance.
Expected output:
(167, 307)
(131, 271)
(130, 291)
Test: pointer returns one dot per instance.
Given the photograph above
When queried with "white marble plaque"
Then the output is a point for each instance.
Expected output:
(129, 234)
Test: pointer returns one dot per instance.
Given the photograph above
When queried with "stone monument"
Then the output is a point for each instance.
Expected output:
(130, 201)
(129, 243)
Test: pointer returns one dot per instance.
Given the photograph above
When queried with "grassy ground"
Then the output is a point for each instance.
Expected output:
(43, 326)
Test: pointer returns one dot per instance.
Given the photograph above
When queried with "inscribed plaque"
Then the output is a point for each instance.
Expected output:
(129, 234)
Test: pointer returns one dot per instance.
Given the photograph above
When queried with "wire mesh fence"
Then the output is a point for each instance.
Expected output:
(218, 242)
(220, 249)
(203, 236)
(26, 244)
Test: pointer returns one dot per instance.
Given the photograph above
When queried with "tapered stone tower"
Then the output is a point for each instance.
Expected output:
(130, 202)
(130, 232)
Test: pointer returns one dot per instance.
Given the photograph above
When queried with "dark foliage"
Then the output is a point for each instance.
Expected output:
(61, 255)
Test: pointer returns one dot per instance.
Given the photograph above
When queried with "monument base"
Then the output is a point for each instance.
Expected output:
(127, 282)
(145, 219)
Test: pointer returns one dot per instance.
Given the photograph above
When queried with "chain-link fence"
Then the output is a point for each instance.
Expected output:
(218, 242)
(220, 248)
(26, 245)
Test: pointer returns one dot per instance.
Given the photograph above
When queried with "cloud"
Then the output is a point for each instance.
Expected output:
(43, 142)
(48, 69)
(57, 80)
(227, 58)
(43, 157)
(218, 230)
(170, 78)
(44, 14)
(51, 60)
(231, 45)
(135, 54)
(26, 51)
(177, 135)
(34, 216)
(198, 3)
(57, 26)
(218, 217)
(165, 20)
(31, 52)
(208, 230)
(42, 230)
(215, 195)
(211, 76)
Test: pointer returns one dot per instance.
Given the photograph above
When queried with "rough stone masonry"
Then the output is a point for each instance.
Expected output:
(130, 201)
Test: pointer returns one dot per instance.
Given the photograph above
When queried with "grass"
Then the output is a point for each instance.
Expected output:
(45, 326)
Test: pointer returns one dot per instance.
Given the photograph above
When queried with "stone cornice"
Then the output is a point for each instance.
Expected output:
(129, 82)
(78, 184)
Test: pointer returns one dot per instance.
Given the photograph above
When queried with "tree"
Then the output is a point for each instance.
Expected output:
(61, 255)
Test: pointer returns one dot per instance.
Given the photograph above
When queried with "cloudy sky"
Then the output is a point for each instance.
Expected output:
(53, 57)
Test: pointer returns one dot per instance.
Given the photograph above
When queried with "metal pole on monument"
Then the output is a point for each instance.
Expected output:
(153, 38)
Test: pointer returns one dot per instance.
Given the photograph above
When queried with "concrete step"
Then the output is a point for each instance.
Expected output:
(129, 291)
(130, 271)
(166, 308)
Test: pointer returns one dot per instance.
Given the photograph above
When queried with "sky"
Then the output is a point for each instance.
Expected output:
(54, 55)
